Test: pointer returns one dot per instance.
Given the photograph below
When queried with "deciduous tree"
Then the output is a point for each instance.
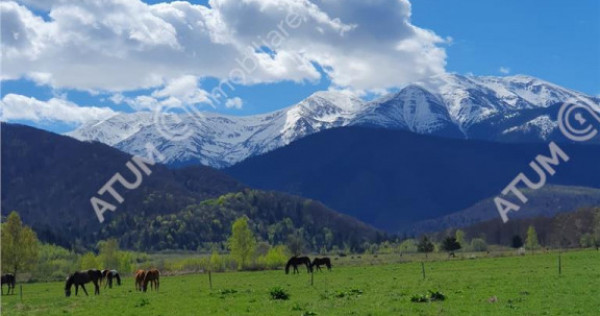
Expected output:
(19, 245)
(532, 242)
(242, 242)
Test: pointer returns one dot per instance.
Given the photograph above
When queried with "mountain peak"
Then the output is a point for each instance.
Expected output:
(508, 108)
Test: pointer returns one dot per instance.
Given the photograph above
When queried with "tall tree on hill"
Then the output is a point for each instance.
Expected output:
(109, 253)
(425, 246)
(532, 239)
(242, 242)
(295, 243)
(19, 245)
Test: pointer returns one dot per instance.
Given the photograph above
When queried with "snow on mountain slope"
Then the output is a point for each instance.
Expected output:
(220, 140)
(515, 108)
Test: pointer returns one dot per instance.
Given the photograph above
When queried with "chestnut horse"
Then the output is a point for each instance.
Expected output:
(152, 276)
(139, 279)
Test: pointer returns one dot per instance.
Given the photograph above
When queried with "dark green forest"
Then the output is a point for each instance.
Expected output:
(274, 217)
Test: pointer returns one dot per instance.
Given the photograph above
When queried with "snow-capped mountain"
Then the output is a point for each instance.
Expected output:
(514, 109)
(220, 140)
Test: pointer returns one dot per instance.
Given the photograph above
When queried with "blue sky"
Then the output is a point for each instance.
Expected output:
(552, 40)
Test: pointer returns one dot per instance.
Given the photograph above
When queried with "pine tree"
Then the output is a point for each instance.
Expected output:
(425, 246)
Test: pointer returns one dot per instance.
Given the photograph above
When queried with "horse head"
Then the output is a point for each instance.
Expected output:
(68, 284)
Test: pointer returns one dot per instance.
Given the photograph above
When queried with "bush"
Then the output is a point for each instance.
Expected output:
(278, 293)
(587, 241)
(478, 244)
(431, 296)
(276, 257)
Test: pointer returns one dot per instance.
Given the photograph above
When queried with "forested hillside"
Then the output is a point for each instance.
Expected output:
(49, 180)
(564, 230)
(274, 217)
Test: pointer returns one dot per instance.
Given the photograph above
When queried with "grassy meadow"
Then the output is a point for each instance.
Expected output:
(512, 285)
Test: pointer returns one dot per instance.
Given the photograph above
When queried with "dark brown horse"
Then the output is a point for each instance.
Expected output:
(10, 281)
(318, 262)
(152, 277)
(109, 275)
(295, 262)
(139, 279)
(80, 278)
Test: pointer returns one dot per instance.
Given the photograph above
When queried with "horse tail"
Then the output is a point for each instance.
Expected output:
(118, 279)
(287, 266)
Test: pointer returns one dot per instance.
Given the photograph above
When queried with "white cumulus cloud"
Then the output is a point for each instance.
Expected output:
(125, 45)
(19, 107)
(235, 103)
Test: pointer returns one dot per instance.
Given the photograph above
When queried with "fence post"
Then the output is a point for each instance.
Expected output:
(423, 269)
(210, 279)
(559, 264)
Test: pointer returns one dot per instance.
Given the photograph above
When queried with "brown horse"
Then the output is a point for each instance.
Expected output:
(139, 279)
(295, 262)
(152, 277)
(10, 281)
(80, 278)
(318, 262)
(109, 275)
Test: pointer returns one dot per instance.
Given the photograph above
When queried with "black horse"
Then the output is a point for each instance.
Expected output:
(318, 262)
(109, 275)
(10, 281)
(296, 261)
(80, 278)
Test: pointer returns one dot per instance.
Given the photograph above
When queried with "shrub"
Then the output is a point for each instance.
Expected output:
(227, 291)
(276, 257)
(431, 296)
(278, 293)
(478, 244)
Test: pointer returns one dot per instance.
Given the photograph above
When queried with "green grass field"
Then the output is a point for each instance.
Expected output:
(527, 285)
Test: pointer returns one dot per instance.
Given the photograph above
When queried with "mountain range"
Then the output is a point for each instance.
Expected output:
(49, 180)
(393, 178)
(503, 109)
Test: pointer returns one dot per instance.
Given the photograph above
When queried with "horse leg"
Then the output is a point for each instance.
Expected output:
(84, 290)
(76, 289)
(96, 288)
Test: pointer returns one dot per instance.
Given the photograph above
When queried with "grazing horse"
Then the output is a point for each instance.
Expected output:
(109, 275)
(80, 278)
(151, 277)
(318, 262)
(296, 261)
(10, 281)
(139, 279)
